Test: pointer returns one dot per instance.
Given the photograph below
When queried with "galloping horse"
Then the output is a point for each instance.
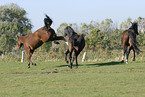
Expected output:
(129, 42)
(76, 45)
(36, 39)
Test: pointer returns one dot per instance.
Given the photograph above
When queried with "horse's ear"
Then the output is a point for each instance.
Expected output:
(131, 22)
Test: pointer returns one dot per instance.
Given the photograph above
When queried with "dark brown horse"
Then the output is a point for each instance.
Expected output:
(76, 44)
(36, 39)
(129, 42)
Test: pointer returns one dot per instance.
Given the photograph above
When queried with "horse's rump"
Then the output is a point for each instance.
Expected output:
(134, 43)
(129, 35)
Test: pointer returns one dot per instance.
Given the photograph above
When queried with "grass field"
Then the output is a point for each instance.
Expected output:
(55, 79)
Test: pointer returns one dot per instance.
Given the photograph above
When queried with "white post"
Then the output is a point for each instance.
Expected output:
(22, 60)
(84, 56)
(2, 56)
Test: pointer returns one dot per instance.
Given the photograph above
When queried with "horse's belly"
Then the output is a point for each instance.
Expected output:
(34, 44)
(38, 44)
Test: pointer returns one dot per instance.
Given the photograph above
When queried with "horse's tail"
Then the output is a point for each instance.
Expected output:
(81, 38)
(47, 21)
(134, 42)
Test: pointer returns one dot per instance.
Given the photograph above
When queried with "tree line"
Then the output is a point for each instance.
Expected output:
(104, 34)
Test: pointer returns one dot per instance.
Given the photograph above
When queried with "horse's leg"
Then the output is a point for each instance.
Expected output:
(123, 53)
(29, 57)
(75, 58)
(66, 56)
(127, 54)
(70, 57)
(133, 55)
(29, 53)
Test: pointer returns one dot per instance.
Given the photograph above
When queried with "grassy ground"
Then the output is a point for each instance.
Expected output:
(55, 79)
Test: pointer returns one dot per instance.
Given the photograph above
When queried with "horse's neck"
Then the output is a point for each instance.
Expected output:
(48, 28)
(134, 29)
(72, 34)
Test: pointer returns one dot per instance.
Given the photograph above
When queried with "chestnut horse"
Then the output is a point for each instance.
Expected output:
(76, 44)
(36, 39)
(129, 42)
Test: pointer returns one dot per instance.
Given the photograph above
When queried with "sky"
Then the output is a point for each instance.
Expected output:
(79, 11)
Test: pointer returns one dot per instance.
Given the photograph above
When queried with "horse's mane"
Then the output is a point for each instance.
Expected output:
(134, 27)
(47, 21)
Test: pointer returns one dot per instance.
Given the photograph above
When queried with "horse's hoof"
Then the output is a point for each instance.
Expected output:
(122, 61)
(28, 66)
(133, 60)
(67, 62)
(69, 66)
(34, 64)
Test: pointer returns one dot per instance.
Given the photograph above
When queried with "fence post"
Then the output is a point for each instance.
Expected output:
(22, 59)
(2, 56)
(84, 56)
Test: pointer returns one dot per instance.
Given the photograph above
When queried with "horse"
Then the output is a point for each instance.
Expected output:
(36, 39)
(76, 44)
(129, 42)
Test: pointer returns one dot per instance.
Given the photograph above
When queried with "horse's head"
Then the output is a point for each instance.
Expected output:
(135, 27)
(19, 43)
(68, 31)
(47, 21)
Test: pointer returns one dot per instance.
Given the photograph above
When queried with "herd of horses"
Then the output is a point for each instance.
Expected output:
(76, 42)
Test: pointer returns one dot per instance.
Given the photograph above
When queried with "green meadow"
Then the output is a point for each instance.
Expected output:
(55, 79)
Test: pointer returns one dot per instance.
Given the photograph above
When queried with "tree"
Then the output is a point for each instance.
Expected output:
(141, 24)
(61, 28)
(86, 28)
(95, 38)
(5, 41)
(126, 24)
(13, 22)
(107, 28)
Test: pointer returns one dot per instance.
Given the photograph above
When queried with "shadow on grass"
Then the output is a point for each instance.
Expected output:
(97, 64)
(68, 64)
(105, 64)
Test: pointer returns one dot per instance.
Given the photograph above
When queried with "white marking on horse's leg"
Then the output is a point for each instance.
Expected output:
(126, 61)
(66, 43)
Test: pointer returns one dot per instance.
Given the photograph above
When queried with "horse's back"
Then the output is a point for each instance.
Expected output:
(40, 32)
(44, 34)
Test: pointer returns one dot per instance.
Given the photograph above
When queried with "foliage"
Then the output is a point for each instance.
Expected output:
(94, 38)
(6, 43)
(13, 22)
(106, 34)
(46, 47)
(99, 35)
(61, 28)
